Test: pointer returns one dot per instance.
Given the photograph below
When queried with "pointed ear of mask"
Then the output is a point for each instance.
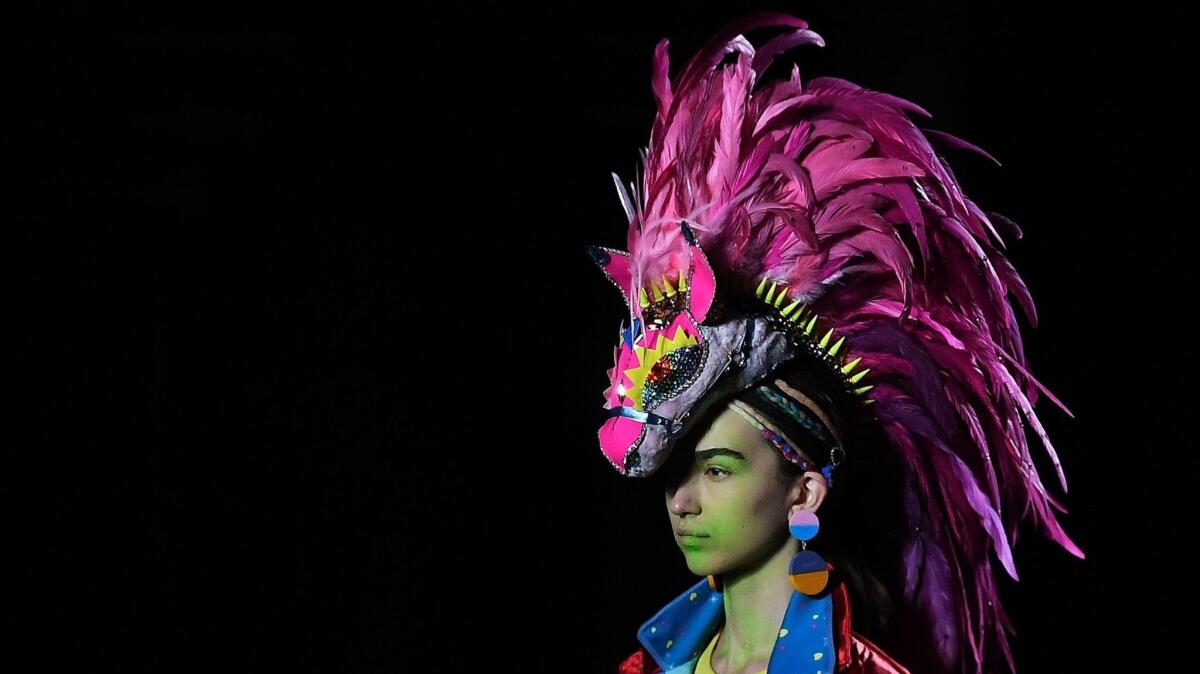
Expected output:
(616, 266)
(703, 283)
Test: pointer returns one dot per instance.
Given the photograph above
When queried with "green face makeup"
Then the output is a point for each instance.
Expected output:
(728, 508)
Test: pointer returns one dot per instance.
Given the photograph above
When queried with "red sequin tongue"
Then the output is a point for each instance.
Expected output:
(661, 371)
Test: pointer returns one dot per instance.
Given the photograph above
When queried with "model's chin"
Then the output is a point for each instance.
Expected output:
(701, 563)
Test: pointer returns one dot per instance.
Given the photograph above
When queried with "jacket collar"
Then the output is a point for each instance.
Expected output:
(677, 635)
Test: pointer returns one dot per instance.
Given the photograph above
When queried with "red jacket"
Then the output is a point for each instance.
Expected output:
(855, 654)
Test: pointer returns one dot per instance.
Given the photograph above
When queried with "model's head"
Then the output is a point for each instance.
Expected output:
(753, 461)
(729, 495)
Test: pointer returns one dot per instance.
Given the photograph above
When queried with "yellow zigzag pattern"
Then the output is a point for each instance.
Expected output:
(647, 358)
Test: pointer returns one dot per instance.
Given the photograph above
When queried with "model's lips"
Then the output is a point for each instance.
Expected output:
(683, 533)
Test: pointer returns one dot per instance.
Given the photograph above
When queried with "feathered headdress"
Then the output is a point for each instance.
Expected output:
(776, 219)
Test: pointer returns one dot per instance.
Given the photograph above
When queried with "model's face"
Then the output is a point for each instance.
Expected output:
(726, 497)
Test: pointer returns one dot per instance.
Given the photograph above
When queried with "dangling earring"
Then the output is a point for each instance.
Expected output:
(714, 583)
(808, 571)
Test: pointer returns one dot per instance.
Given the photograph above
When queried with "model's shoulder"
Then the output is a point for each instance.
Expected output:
(868, 658)
(639, 662)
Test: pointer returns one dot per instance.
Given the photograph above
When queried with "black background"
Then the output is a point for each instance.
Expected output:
(318, 356)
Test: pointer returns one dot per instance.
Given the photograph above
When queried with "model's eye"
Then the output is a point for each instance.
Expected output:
(718, 472)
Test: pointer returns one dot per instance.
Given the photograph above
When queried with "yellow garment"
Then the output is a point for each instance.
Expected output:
(704, 664)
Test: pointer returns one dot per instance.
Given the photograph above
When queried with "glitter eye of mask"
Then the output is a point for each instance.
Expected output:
(672, 375)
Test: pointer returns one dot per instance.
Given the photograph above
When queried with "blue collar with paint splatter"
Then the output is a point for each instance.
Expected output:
(677, 635)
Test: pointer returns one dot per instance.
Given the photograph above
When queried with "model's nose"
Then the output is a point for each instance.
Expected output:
(681, 499)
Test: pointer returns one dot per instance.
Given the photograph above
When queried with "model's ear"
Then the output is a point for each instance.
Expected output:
(807, 492)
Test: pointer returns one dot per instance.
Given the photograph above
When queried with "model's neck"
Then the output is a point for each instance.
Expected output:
(755, 601)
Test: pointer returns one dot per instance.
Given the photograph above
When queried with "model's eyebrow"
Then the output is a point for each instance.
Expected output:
(703, 454)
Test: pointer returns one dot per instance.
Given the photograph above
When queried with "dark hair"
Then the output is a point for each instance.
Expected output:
(863, 511)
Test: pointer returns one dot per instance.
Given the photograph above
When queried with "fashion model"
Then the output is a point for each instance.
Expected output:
(822, 369)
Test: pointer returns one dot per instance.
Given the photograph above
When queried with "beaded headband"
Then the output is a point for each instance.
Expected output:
(789, 420)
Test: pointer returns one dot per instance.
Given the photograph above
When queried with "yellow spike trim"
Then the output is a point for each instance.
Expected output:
(838, 345)
(761, 284)
(850, 366)
(771, 292)
(864, 389)
(683, 281)
(782, 295)
(642, 299)
(811, 322)
(788, 310)
(855, 378)
(825, 340)
(656, 290)
(667, 286)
